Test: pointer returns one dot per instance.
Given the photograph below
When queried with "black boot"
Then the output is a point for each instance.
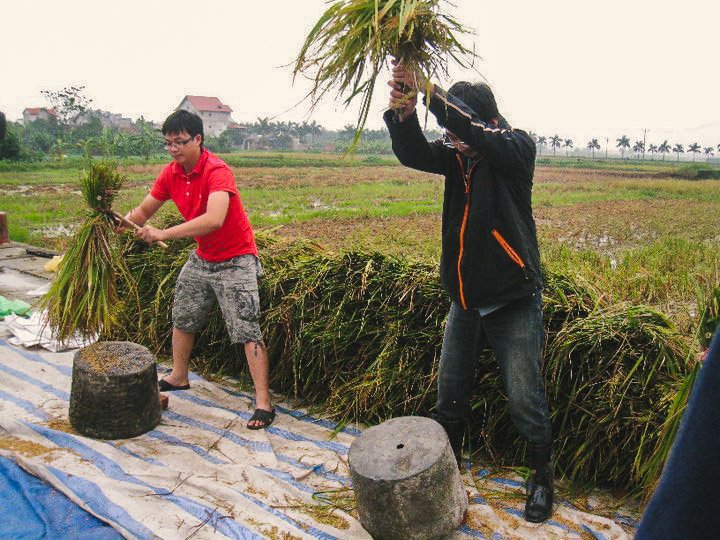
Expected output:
(539, 505)
(455, 429)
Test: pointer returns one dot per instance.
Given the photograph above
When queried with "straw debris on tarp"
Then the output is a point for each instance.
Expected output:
(358, 336)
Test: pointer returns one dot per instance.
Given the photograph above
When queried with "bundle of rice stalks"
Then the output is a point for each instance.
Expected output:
(351, 42)
(565, 299)
(83, 297)
(154, 272)
(358, 336)
(650, 465)
(359, 333)
(617, 381)
(611, 379)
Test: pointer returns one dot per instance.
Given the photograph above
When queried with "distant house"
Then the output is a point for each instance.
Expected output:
(215, 115)
(107, 119)
(30, 114)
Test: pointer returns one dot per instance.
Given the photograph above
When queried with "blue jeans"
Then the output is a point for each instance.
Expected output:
(515, 334)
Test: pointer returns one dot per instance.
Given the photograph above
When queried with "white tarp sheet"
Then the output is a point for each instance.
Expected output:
(200, 473)
(33, 330)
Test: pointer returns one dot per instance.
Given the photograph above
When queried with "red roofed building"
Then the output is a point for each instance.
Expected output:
(215, 115)
(30, 114)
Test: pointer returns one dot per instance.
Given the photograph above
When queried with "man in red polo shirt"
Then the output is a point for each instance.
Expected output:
(225, 266)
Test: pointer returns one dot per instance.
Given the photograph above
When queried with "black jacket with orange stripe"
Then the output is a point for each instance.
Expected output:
(489, 243)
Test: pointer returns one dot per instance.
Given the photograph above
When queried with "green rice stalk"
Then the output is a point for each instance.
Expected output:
(650, 466)
(83, 297)
(710, 318)
(351, 42)
(609, 376)
(358, 337)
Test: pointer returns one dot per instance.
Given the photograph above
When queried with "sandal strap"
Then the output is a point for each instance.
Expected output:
(264, 417)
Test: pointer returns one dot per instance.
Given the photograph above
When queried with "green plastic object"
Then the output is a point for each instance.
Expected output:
(13, 306)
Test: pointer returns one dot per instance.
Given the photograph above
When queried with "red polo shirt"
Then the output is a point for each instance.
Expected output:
(190, 194)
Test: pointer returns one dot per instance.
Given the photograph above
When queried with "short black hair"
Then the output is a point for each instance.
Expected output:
(182, 120)
(480, 98)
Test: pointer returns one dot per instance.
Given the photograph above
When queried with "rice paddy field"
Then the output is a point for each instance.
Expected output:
(353, 311)
(637, 231)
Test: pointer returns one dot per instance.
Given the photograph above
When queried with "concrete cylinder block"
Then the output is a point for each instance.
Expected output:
(406, 480)
(114, 393)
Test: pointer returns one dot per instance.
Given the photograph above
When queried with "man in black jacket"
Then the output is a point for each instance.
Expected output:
(490, 264)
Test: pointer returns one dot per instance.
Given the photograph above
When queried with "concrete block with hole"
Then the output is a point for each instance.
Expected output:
(406, 480)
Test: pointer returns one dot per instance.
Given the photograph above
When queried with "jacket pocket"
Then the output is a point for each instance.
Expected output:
(508, 249)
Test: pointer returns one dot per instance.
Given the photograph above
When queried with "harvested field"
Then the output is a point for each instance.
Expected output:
(638, 230)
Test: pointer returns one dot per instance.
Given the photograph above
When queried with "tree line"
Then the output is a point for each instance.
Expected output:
(623, 144)
(77, 129)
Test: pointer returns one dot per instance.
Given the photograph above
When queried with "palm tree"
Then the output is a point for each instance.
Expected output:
(303, 131)
(263, 126)
(708, 152)
(664, 148)
(347, 132)
(622, 143)
(694, 148)
(58, 149)
(678, 149)
(315, 129)
(652, 149)
(638, 148)
(593, 145)
(542, 141)
(567, 144)
(555, 142)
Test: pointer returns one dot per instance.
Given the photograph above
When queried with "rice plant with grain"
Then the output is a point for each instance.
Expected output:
(350, 44)
(83, 298)
(357, 336)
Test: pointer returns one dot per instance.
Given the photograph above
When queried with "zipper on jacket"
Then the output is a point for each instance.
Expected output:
(466, 179)
(510, 251)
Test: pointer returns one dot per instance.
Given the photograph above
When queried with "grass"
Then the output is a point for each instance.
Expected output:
(629, 165)
(306, 203)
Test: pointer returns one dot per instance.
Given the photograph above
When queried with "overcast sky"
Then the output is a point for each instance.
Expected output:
(576, 68)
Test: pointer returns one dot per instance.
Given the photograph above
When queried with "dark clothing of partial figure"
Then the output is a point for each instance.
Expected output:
(687, 499)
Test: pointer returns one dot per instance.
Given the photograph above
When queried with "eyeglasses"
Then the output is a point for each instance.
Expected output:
(451, 141)
(176, 144)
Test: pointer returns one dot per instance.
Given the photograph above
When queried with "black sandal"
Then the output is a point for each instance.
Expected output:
(263, 417)
(167, 387)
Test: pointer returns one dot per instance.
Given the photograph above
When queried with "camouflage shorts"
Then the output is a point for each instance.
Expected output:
(232, 283)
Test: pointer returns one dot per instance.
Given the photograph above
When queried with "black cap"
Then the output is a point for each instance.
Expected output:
(480, 98)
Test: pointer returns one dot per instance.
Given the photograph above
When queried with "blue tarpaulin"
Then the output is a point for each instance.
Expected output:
(30, 508)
